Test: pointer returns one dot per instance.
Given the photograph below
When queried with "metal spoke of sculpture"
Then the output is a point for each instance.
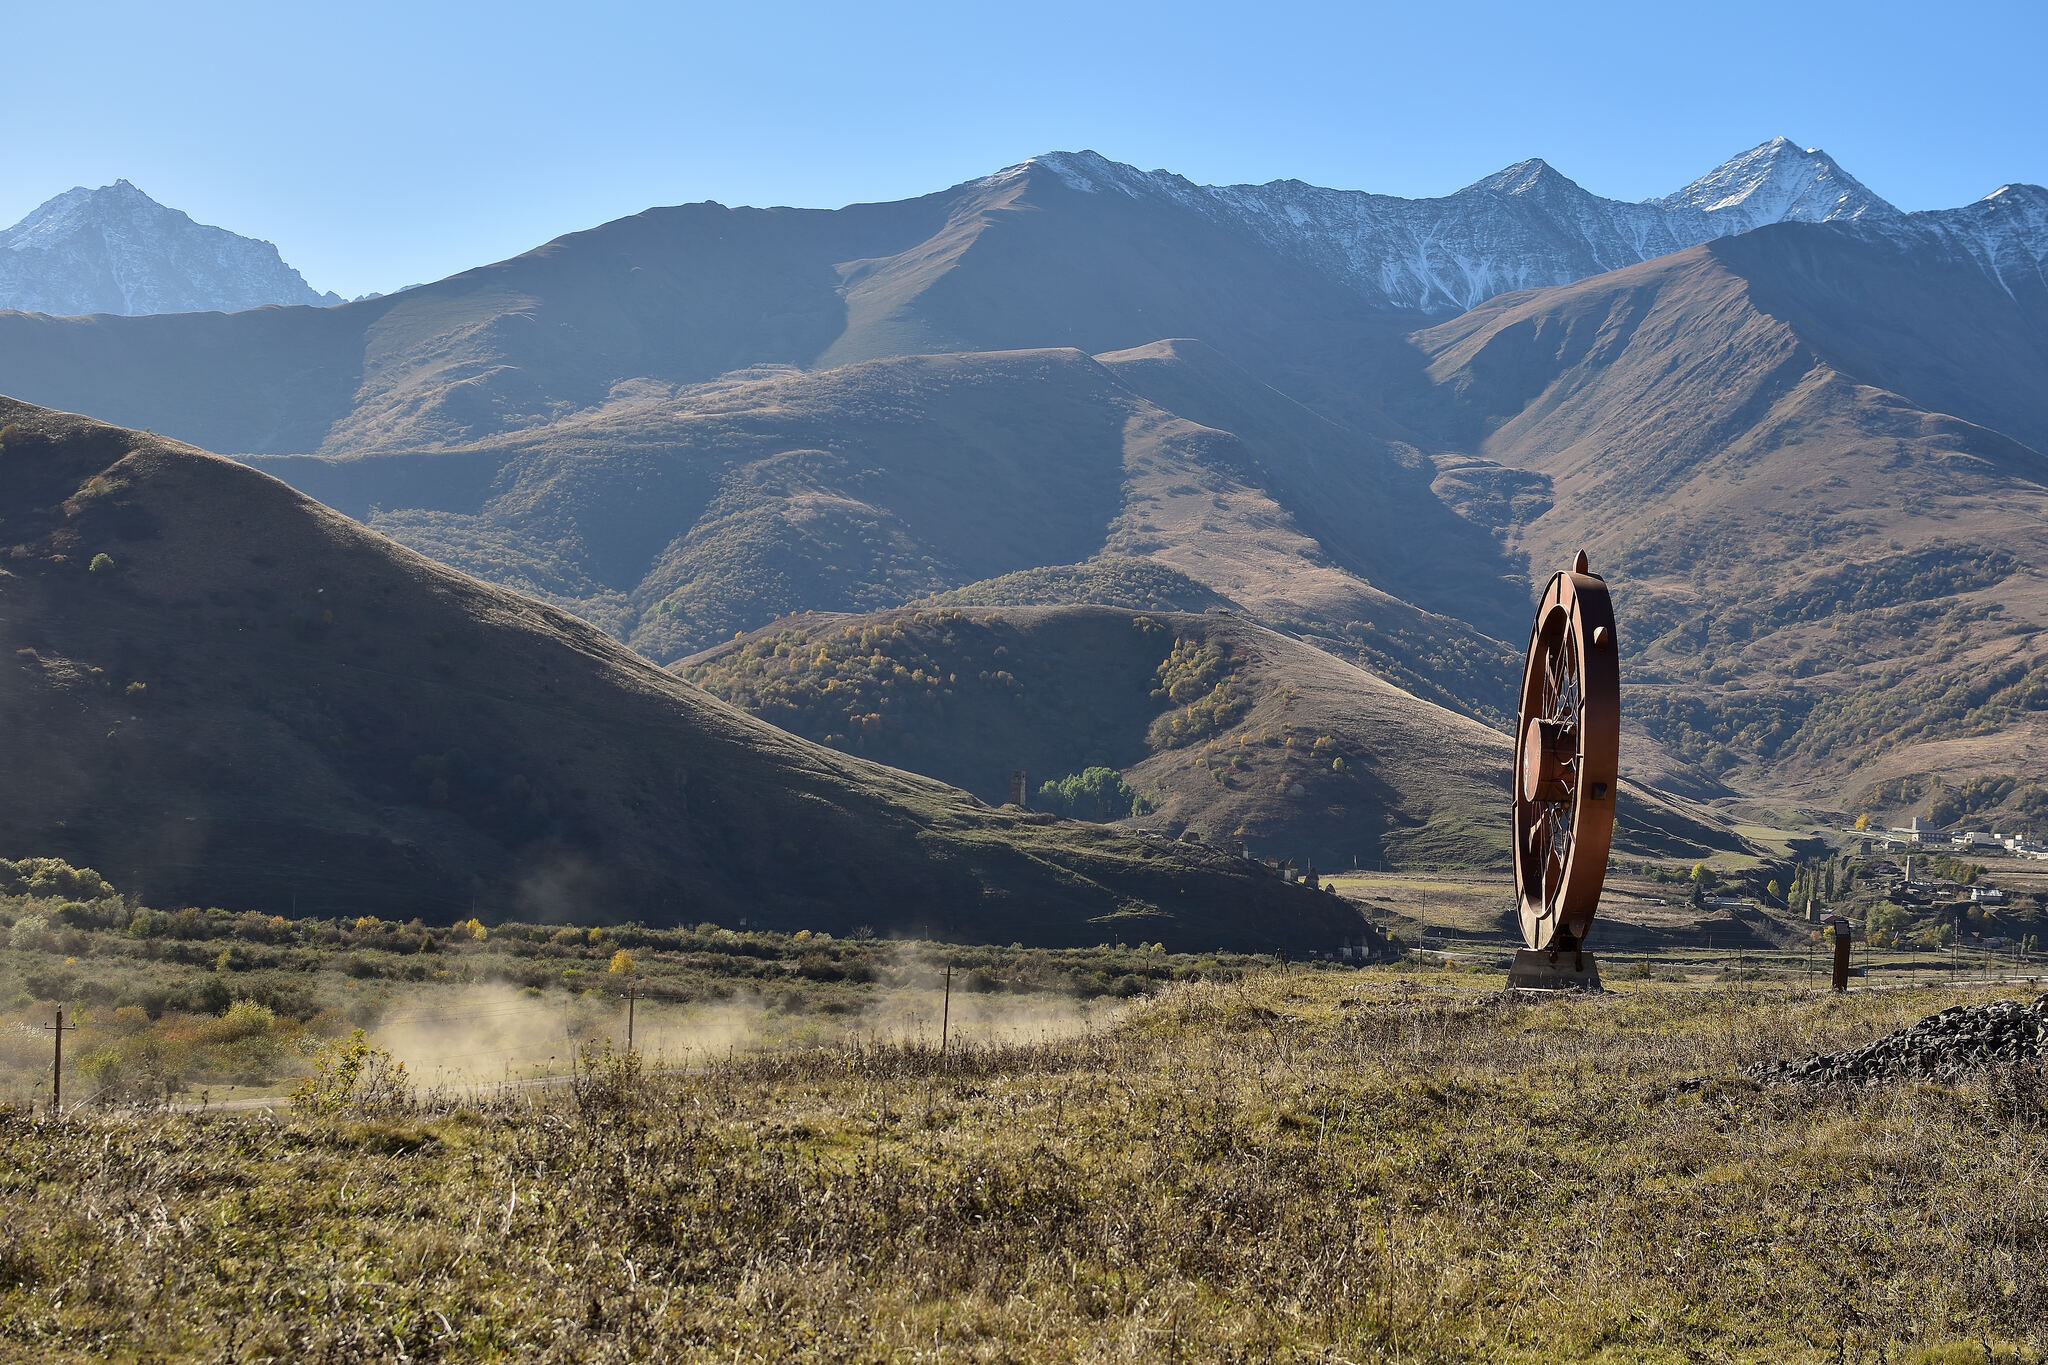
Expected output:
(1567, 749)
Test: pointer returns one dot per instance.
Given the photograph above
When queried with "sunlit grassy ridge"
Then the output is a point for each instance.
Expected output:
(1320, 1165)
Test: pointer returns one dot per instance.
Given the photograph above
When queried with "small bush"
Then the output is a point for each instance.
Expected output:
(350, 1076)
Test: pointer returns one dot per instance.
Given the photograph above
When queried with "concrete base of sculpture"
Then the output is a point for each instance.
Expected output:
(1534, 971)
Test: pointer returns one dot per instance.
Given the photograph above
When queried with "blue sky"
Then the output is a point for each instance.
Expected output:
(384, 144)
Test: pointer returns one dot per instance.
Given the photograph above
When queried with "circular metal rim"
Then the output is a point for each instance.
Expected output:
(1573, 631)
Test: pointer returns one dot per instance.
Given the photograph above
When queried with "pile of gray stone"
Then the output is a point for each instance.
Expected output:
(1942, 1047)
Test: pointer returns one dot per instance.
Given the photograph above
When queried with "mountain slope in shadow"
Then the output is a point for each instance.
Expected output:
(1219, 727)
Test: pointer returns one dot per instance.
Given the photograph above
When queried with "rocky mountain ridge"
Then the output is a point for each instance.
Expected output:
(116, 250)
(1523, 227)
(2004, 234)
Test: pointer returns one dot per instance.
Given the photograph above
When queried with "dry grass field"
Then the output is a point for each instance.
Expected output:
(1299, 1165)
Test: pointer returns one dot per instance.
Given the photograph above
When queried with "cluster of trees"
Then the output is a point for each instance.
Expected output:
(1825, 880)
(1819, 879)
(842, 685)
(1196, 679)
(1890, 711)
(2024, 802)
(1954, 869)
(2004, 802)
(1099, 794)
(1875, 611)
(1717, 732)
(1922, 575)
(52, 878)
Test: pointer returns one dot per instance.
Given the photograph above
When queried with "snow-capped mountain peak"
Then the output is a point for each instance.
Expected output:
(116, 250)
(2018, 198)
(1534, 176)
(1776, 182)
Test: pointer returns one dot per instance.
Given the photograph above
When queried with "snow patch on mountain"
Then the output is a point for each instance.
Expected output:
(116, 250)
(1521, 228)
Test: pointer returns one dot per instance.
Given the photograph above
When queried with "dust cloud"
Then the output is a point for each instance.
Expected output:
(487, 1035)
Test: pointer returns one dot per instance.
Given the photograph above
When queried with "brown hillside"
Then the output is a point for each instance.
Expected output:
(252, 701)
(1367, 502)
(1823, 580)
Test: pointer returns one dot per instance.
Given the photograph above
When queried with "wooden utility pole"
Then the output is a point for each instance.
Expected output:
(631, 992)
(57, 1030)
(946, 1012)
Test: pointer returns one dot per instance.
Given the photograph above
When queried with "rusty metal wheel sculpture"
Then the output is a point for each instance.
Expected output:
(1567, 748)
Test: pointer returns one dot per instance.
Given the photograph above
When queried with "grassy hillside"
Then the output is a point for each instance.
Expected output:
(1297, 1166)
(225, 693)
(1218, 726)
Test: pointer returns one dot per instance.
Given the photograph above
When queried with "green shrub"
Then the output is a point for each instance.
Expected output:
(51, 878)
(1885, 923)
(351, 1076)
